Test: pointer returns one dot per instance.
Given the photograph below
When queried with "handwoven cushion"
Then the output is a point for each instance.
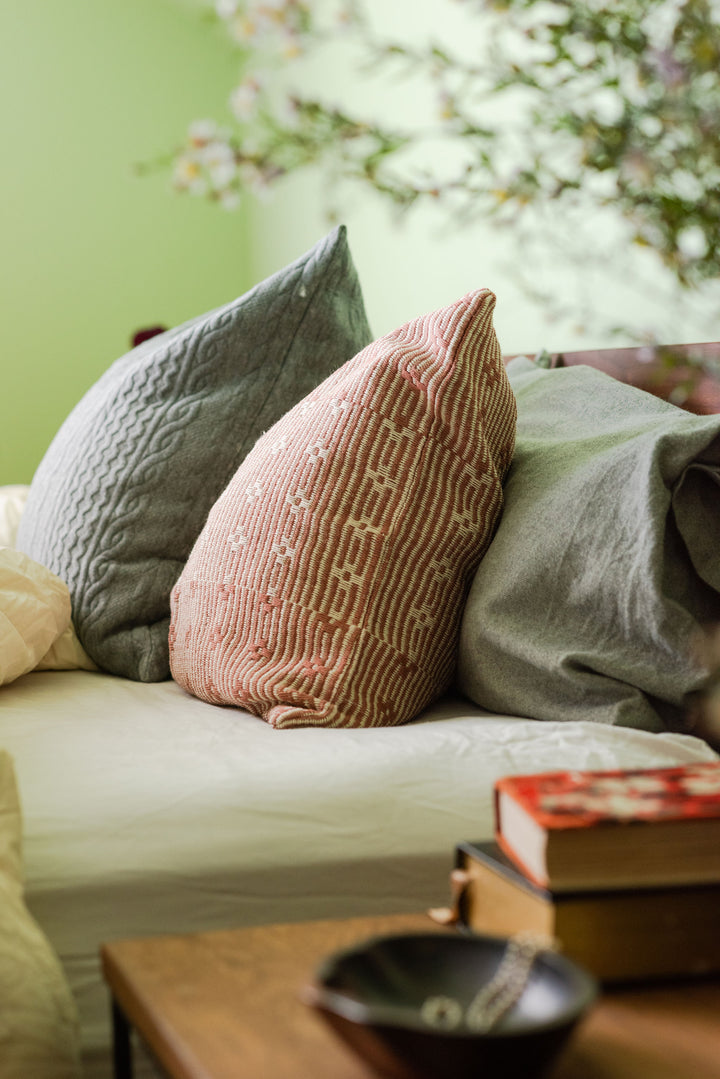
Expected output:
(327, 585)
(39, 1036)
(125, 487)
(606, 562)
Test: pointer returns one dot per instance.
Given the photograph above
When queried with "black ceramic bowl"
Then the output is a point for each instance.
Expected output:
(372, 996)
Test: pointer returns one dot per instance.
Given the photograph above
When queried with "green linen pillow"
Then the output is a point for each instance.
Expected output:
(124, 489)
(606, 560)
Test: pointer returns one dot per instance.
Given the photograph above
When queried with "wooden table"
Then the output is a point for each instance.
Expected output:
(225, 1005)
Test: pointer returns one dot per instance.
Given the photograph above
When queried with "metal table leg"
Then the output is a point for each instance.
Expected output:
(122, 1050)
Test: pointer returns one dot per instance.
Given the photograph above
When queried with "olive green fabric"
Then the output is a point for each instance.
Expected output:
(606, 560)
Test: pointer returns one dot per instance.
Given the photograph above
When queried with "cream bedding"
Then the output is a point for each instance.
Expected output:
(34, 613)
(12, 503)
(36, 632)
(149, 811)
(38, 1018)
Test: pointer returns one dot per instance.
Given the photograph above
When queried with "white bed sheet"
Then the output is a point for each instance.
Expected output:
(149, 811)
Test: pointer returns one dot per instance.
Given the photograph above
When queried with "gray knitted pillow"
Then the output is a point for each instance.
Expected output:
(124, 489)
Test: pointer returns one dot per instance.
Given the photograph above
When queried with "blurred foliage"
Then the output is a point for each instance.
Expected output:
(618, 102)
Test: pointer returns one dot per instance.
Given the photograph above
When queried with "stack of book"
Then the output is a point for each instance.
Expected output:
(622, 867)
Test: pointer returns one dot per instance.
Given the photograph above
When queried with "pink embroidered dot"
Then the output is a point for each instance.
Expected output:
(327, 624)
(225, 591)
(315, 665)
(259, 651)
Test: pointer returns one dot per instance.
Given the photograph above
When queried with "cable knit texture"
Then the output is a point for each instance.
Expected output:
(327, 585)
(123, 491)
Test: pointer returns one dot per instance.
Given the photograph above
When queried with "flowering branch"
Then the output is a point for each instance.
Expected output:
(560, 101)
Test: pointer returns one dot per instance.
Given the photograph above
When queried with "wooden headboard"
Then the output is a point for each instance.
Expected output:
(661, 370)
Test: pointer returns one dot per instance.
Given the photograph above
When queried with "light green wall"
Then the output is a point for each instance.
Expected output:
(90, 252)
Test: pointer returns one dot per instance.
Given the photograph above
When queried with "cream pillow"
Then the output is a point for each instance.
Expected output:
(19, 575)
(34, 612)
(66, 654)
(12, 504)
(38, 1020)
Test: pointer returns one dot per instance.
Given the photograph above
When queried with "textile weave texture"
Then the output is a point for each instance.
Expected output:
(39, 1035)
(124, 489)
(607, 561)
(327, 585)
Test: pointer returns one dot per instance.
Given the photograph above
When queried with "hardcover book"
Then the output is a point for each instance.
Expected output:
(636, 828)
(621, 935)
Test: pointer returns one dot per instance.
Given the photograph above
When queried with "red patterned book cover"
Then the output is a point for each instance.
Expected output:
(560, 826)
(581, 799)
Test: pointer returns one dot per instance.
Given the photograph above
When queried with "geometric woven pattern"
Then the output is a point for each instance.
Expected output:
(123, 491)
(327, 586)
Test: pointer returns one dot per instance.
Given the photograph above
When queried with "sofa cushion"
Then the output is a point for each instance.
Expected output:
(327, 585)
(39, 1036)
(125, 487)
(606, 562)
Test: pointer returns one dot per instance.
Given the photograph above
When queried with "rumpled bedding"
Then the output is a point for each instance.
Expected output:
(36, 631)
(12, 503)
(149, 811)
(34, 613)
(39, 1032)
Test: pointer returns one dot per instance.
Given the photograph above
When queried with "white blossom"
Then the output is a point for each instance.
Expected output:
(244, 98)
(229, 199)
(226, 9)
(218, 159)
(201, 132)
(188, 175)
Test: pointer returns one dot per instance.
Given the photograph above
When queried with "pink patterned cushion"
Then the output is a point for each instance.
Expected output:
(327, 586)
